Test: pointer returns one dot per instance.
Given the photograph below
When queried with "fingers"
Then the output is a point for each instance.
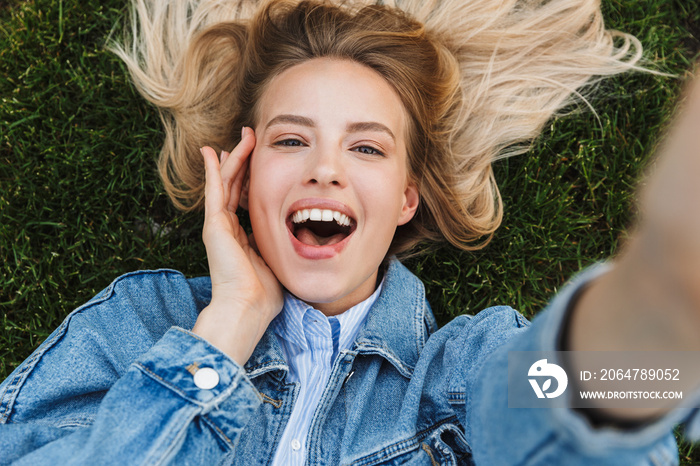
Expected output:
(224, 177)
(224, 157)
(233, 169)
(237, 188)
(253, 244)
(213, 189)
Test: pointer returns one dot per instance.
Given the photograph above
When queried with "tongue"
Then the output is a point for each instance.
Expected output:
(306, 236)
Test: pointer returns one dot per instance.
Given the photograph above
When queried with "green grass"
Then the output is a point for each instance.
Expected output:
(80, 202)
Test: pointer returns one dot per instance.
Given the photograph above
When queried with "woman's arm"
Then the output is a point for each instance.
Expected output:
(246, 295)
(650, 300)
(117, 382)
(158, 406)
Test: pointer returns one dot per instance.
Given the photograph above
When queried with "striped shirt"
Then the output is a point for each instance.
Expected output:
(310, 343)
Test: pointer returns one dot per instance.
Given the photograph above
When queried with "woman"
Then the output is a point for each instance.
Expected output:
(359, 139)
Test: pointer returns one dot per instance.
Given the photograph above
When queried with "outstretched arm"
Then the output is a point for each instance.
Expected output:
(650, 300)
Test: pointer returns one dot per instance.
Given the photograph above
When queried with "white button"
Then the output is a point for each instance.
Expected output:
(206, 378)
(296, 444)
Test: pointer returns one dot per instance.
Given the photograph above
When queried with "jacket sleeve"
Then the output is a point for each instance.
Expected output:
(82, 398)
(499, 434)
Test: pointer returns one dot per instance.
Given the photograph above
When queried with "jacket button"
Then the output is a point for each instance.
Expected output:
(206, 378)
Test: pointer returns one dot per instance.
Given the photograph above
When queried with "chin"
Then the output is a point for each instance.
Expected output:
(312, 290)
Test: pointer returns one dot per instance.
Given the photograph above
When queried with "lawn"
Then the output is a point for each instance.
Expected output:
(80, 201)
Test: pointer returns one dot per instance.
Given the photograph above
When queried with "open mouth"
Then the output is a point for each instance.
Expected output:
(320, 227)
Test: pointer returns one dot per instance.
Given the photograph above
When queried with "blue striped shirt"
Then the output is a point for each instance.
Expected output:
(310, 343)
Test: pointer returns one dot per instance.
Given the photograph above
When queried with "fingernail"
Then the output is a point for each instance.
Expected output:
(201, 150)
(242, 132)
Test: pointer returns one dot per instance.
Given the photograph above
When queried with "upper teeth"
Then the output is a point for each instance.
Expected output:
(321, 215)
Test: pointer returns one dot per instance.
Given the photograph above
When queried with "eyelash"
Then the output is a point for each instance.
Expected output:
(374, 150)
(364, 149)
(286, 143)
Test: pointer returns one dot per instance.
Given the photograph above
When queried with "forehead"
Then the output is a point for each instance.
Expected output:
(333, 91)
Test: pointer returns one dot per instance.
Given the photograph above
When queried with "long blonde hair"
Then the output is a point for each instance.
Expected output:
(479, 79)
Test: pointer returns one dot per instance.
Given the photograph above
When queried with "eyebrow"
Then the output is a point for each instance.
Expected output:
(293, 119)
(369, 126)
(355, 127)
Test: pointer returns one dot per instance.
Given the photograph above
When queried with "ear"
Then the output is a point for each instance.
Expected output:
(411, 198)
(243, 200)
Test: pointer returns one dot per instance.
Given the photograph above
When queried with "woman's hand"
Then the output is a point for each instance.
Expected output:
(246, 295)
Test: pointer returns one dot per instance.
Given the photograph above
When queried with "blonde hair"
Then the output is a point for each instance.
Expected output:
(479, 80)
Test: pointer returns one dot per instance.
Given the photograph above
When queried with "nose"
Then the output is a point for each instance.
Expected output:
(325, 167)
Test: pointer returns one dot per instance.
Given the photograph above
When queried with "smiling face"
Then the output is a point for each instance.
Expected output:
(328, 180)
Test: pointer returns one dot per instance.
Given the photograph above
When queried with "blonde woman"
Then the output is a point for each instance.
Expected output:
(352, 133)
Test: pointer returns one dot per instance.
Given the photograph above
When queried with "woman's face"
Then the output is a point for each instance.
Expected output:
(328, 180)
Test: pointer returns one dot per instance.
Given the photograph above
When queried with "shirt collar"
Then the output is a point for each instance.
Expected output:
(397, 326)
(289, 324)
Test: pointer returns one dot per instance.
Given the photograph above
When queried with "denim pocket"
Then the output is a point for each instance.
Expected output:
(448, 446)
(441, 444)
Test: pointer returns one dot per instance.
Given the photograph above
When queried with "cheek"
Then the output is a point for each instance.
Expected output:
(265, 181)
(384, 193)
(270, 183)
(260, 193)
(382, 203)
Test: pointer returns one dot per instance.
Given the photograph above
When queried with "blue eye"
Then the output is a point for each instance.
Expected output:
(368, 150)
(289, 143)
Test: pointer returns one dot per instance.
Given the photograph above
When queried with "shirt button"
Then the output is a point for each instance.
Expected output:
(206, 378)
(296, 445)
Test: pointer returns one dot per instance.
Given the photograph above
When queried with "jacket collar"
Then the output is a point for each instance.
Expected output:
(397, 327)
(400, 322)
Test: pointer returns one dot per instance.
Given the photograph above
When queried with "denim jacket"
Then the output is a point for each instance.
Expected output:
(114, 385)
